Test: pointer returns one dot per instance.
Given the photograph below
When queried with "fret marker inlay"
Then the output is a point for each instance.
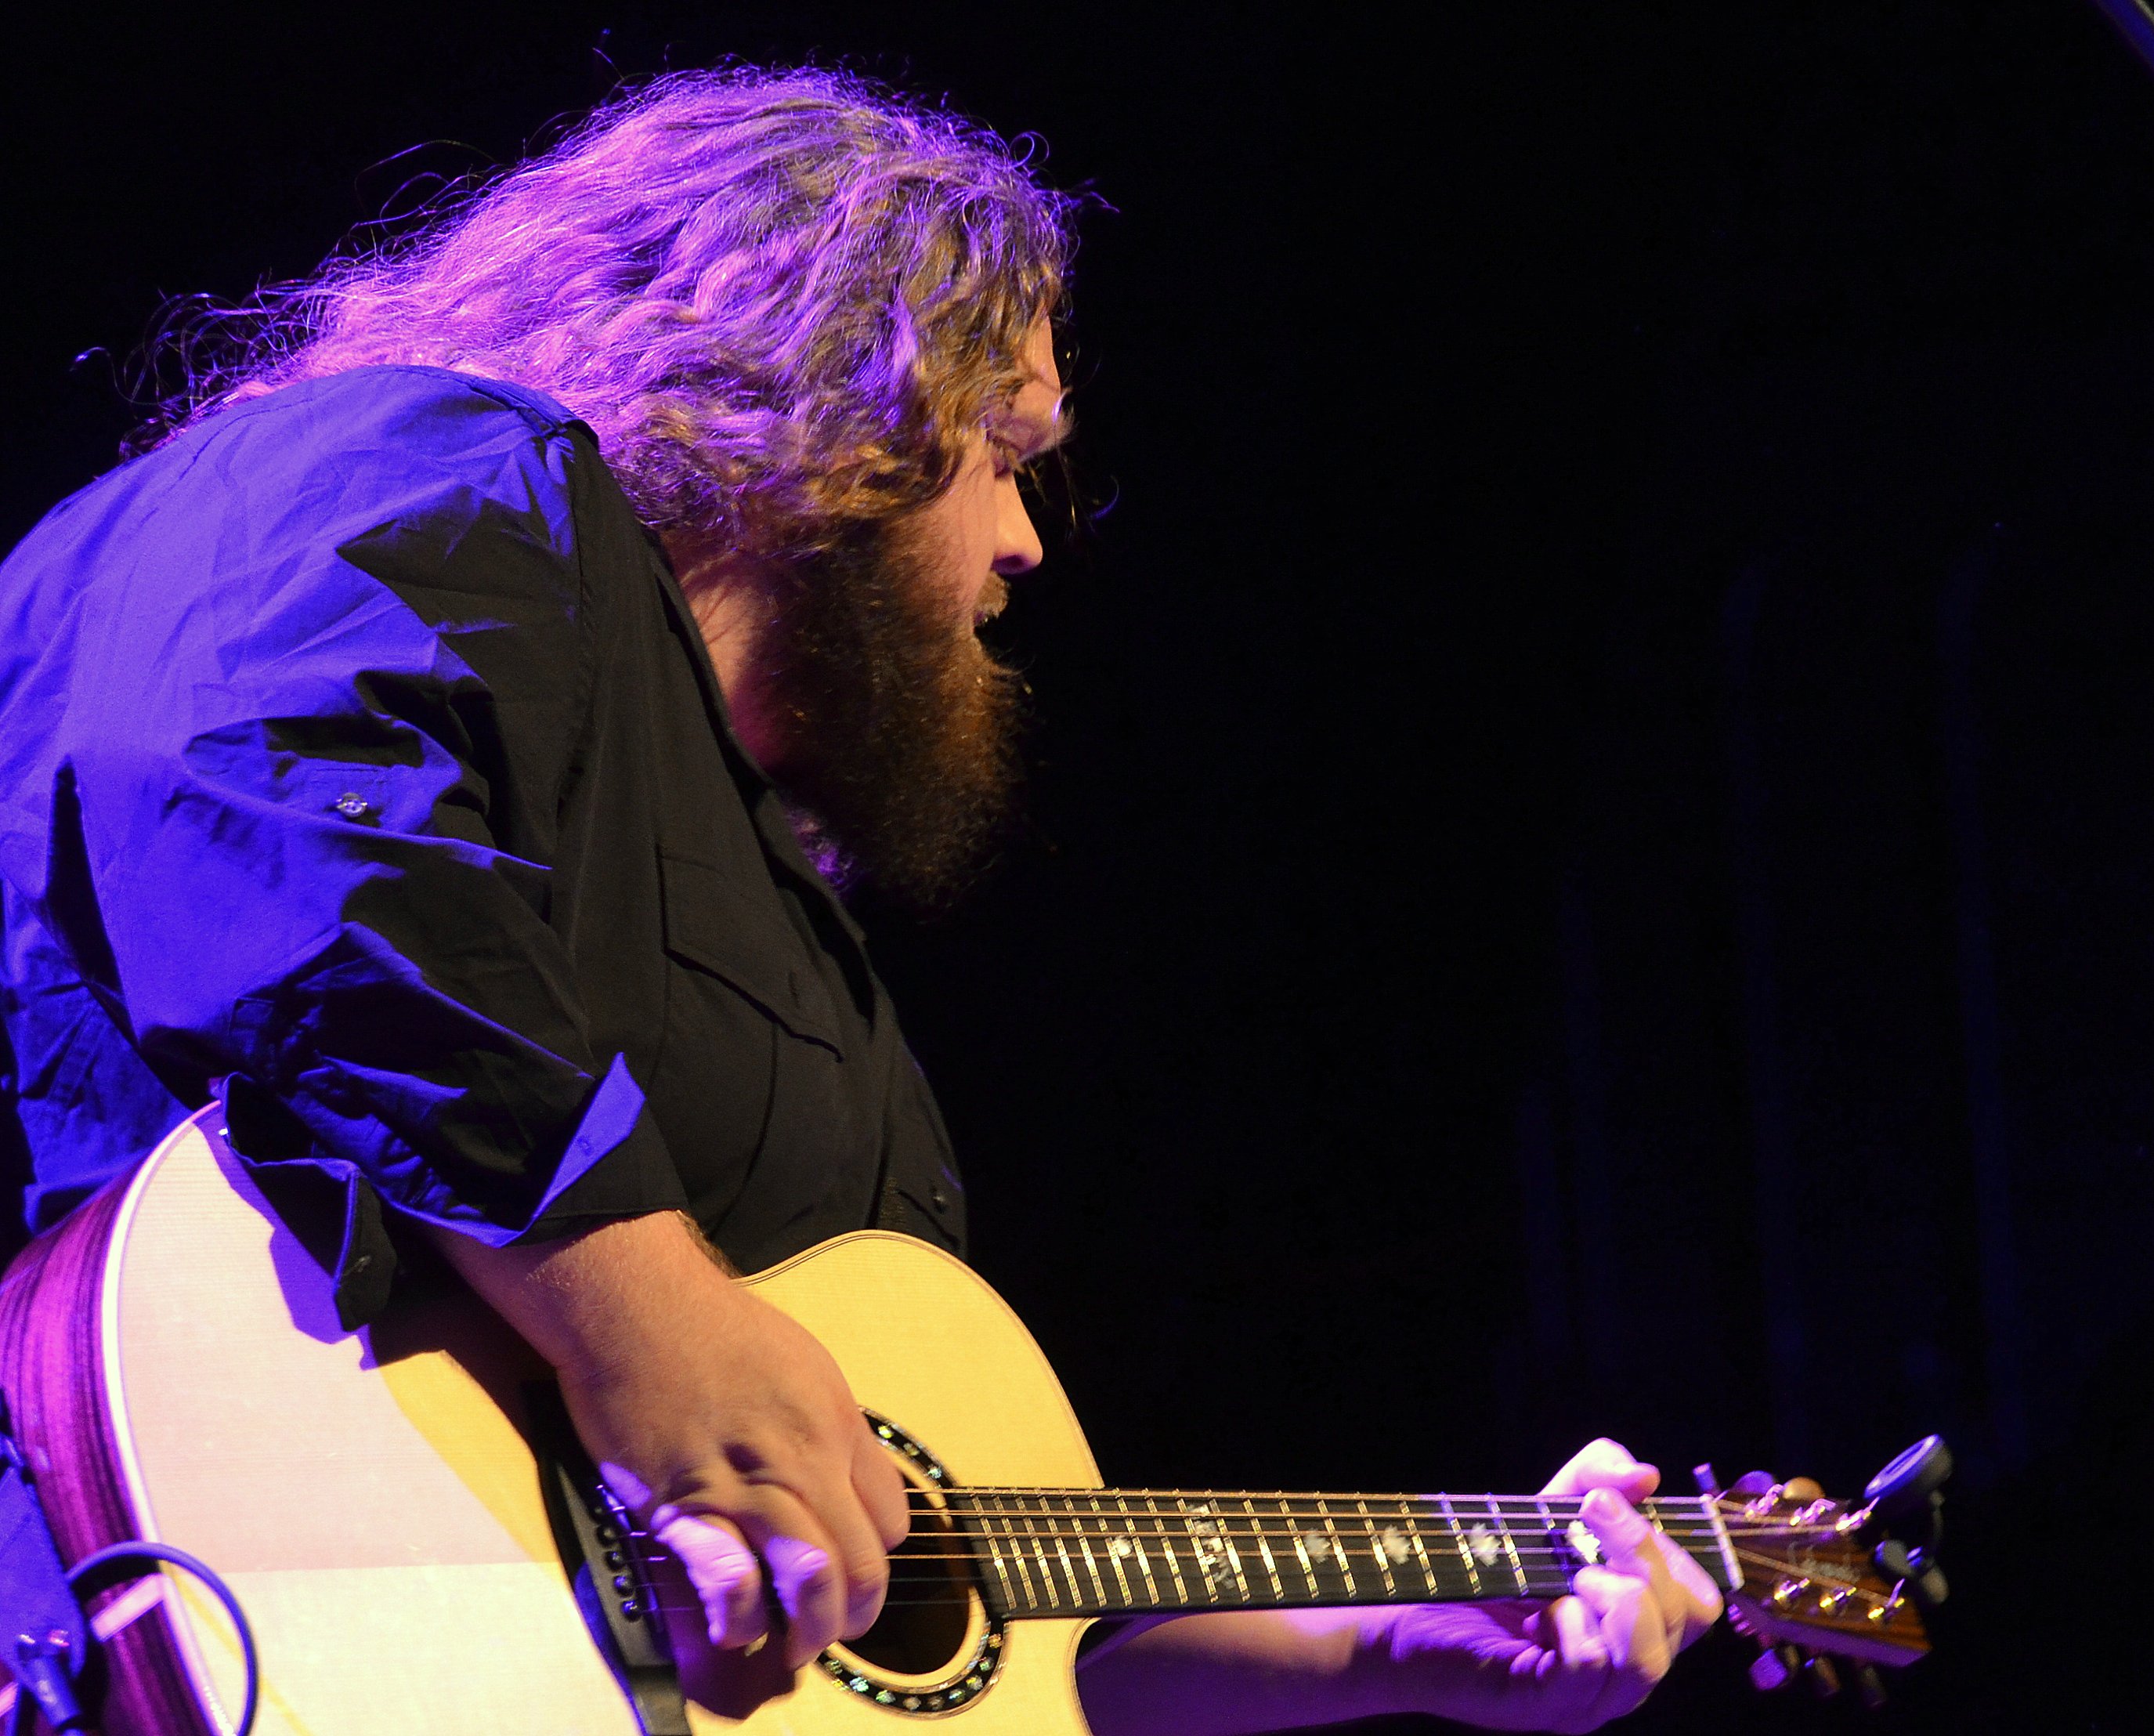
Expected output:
(1210, 1547)
(1583, 1540)
(1486, 1551)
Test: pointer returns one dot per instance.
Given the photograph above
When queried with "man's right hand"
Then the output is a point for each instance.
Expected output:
(720, 1422)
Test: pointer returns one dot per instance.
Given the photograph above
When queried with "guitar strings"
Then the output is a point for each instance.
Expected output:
(1044, 1491)
(1427, 1523)
(921, 1578)
(1529, 1555)
(906, 1591)
(1701, 1509)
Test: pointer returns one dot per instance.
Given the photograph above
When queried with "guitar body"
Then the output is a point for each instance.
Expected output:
(175, 1371)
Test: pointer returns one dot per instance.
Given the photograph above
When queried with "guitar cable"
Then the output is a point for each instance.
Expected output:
(96, 1566)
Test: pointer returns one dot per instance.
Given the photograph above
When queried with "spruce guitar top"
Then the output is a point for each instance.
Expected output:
(420, 1545)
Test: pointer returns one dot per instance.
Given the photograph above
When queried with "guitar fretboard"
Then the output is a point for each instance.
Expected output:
(1110, 1552)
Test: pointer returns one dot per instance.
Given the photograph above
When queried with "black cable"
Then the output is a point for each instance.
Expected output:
(93, 1563)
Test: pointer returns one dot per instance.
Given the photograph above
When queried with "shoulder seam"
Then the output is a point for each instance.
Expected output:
(551, 421)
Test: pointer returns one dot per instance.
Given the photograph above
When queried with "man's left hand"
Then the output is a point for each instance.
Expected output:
(1576, 1662)
(1520, 1665)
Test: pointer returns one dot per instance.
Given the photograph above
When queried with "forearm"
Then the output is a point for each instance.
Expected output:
(724, 1425)
(1238, 1673)
(585, 1302)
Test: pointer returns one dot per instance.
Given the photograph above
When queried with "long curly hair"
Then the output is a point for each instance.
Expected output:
(783, 300)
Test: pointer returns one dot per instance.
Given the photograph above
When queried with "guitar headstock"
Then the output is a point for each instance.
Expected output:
(1825, 1579)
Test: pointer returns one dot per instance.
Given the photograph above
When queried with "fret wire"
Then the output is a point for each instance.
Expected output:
(1039, 1544)
(1510, 1543)
(1458, 1541)
(1041, 1531)
(1553, 1530)
(1091, 1566)
(1010, 1596)
(1061, 1542)
(1379, 1556)
(1024, 1566)
(1144, 1561)
(1167, 1549)
(1217, 1522)
(1421, 1553)
(1069, 1547)
(1417, 1543)
(1264, 1549)
(1201, 1561)
(1005, 1565)
(1338, 1544)
(1114, 1560)
(1301, 1552)
(1562, 1554)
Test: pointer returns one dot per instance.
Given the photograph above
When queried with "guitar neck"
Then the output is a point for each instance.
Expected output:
(1101, 1552)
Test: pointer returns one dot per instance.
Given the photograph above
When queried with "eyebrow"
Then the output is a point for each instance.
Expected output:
(1043, 434)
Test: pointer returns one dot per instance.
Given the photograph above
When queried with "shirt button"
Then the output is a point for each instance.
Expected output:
(352, 805)
(938, 1199)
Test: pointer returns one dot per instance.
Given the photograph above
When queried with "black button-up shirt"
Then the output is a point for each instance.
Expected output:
(362, 752)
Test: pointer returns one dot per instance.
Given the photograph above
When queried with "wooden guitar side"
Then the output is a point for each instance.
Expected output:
(371, 1498)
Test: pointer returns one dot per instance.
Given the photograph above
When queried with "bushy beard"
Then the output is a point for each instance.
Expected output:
(901, 763)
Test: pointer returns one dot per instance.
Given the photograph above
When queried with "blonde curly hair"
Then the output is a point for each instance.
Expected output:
(783, 300)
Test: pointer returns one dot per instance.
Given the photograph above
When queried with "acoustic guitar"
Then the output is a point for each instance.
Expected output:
(419, 1546)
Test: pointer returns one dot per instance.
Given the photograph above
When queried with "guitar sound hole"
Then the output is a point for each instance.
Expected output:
(925, 1620)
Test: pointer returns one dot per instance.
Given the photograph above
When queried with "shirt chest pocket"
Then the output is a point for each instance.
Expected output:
(750, 1086)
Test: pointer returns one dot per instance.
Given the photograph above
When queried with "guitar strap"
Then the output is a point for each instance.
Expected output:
(42, 1632)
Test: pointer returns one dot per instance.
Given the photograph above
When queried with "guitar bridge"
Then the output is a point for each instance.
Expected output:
(609, 1562)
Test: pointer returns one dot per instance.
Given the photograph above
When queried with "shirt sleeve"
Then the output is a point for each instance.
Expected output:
(325, 733)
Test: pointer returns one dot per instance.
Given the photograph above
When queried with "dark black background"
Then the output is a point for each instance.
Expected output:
(1589, 871)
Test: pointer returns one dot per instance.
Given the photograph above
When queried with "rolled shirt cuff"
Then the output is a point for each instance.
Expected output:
(615, 1165)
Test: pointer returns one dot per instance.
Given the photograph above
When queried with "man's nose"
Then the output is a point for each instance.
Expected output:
(1017, 541)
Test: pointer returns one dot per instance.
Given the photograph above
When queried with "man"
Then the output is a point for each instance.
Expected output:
(444, 745)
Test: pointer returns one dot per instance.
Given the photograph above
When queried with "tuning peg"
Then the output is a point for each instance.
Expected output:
(1824, 1678)
(1774, 1667)
(1914, 1568)
(1867, 1685)
(1909, 1482)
